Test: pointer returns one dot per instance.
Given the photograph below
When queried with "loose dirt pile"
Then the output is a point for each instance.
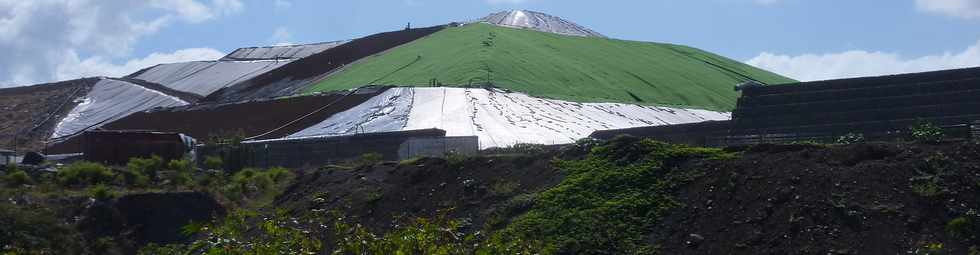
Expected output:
(871, 198)
(381, 195)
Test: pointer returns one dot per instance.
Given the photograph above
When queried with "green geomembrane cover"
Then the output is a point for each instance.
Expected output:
(582, 69)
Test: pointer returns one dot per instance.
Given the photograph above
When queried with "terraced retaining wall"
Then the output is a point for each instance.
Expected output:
(318, 151)
(879, 108)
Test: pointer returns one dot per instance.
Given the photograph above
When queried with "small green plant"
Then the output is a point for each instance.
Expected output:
(373, 196)
(84, 173)
(935, 164)
(455, 160)
(960, 227)
(368, 159)
(931, 248)
(439, 235)
(926, 132)
(850, 138)
(132, 178)
(928, 187)
(180, 166)
(238, 235)
(18, 178)
(504, 188)
(150, 167)
(101, 192)
(279, 174)
(36, 231)
(411, 161)
(214, 163)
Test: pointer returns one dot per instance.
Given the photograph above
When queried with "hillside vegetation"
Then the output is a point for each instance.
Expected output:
(583, 69)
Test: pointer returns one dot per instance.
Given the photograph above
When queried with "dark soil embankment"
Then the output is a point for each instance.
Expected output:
(382, 194)
(877, 198)
(246, 119)
(138, 219)
(30, 114)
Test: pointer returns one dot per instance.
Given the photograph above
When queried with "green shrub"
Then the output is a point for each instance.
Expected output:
(455, 160)
(214, 163)
(504, 188)
(132, 178)
(411, 161)
(926, 132)
(84, 173)
(931, 248)
(251, 181)
(439, 235)
(18, 178)
(150, 167)
(609, 201)
(179, 179)
(272, 235)
(279, 174)
(961, 227)
(101, 192)
(928, 187)
(36, 231)
(368, 159)
(180, 166)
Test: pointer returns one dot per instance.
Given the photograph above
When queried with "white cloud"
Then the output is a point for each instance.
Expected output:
(40, 40)
(967, 9)
(280, 36)
(856, 63)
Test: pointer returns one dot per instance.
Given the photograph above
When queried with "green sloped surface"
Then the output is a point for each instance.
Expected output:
(582, 69)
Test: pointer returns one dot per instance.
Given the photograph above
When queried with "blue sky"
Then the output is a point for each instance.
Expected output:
(803, 39)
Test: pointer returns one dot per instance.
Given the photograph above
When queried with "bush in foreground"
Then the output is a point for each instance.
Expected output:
(85, 174)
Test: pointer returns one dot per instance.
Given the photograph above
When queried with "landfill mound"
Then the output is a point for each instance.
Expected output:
(498, 118)
(572, 68)
(538, 21)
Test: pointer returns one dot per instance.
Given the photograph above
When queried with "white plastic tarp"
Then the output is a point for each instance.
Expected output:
(111, 100)
(206, 77)
(280, 52)
(499, 119)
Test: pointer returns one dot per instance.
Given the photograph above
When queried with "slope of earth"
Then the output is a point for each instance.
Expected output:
(574, 68)
(381, 195)
(29, 114)
(871, 198)
(498, 118)
(298, 75)
(274, 118)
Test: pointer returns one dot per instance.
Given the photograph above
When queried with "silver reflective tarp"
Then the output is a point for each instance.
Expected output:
(280, 52)
(111, 100)
(205, 77)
